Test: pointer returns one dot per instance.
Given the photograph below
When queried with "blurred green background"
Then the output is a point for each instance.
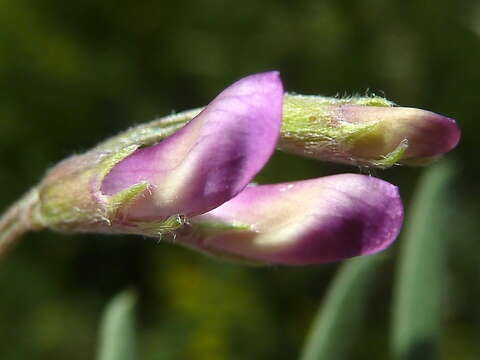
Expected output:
(73, 73)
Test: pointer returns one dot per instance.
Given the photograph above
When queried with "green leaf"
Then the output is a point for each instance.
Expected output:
(340, 317)
(117, 329)
(421, 272)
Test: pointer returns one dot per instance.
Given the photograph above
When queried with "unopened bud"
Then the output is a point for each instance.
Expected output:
(364, 131)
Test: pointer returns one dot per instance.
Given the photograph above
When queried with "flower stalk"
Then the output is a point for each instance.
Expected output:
(16, 221)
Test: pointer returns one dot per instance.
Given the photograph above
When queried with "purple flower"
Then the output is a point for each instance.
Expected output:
(304, 222)
(194, 184)
(211, 159)
(364, 131)
(426, 135)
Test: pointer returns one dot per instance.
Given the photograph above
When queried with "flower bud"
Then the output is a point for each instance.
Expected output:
(364, 131)
(300, 223)
(124, 186)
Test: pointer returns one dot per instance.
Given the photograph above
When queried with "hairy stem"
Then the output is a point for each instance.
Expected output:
(16, 221)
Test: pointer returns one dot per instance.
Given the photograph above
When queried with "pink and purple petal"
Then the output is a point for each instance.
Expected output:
(428, 135)
(305, 222)
(212, 158)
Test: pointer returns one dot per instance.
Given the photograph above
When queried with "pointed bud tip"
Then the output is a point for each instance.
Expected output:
(445, 133)
(431, 134)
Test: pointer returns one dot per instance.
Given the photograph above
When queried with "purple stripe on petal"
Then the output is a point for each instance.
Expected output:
(212, 158)
(305, 222)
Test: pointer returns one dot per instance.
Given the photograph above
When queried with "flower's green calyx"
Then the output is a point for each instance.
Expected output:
(159, 228)
(121, 200)
(149, 133)
(69, 196)
(312, 128)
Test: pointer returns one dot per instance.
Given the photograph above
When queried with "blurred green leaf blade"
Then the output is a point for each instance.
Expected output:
(117, 329)
(421, 273)
(340, 317)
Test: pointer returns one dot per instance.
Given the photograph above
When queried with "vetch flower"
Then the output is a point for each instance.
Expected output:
(188, 175)
(192, 171)
(304, 222)
(364, 131)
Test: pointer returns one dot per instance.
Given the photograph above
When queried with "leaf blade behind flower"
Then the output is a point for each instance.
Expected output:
(340, 316)
(417, 308)
(117, 329)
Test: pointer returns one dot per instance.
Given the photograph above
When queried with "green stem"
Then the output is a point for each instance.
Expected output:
(16, 221)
